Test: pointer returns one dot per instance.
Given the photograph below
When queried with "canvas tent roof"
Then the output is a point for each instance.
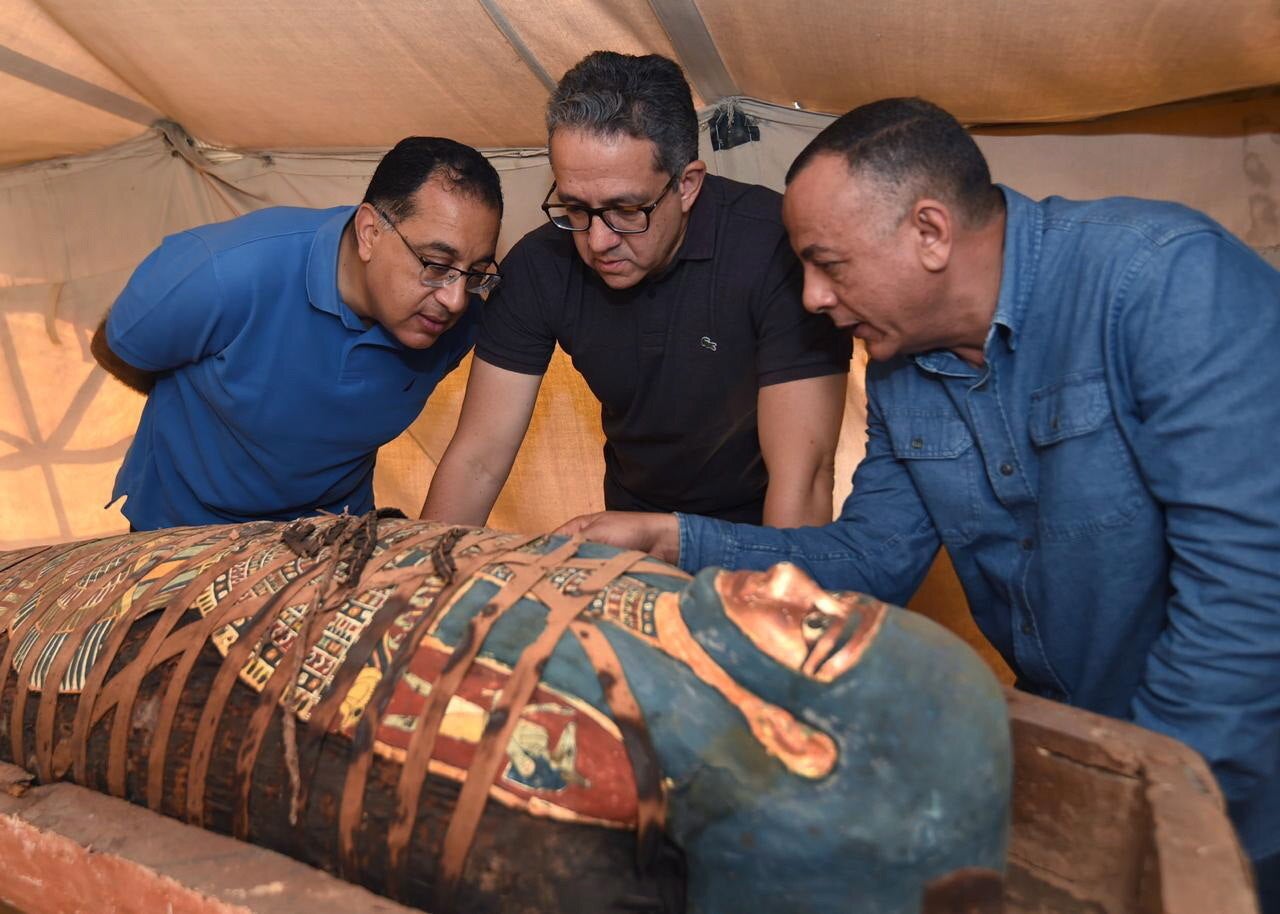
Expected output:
(79, 75)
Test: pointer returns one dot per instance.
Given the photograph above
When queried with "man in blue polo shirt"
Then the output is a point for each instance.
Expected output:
(281, 349)
(1079, 400)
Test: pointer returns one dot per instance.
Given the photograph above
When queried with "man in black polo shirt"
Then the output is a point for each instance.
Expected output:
(678, 298)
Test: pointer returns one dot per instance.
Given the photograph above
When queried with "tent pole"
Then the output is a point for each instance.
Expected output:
(695, 49)
(513, 38)
(40, 74)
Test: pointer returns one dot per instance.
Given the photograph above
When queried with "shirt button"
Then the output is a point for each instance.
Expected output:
(1006, 469)
(1026, 628)
(1028, 544)
(917, 443)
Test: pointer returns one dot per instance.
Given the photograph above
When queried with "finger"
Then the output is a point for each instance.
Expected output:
(573, 525)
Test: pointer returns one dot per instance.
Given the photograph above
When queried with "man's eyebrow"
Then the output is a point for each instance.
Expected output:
(449, 255)
(815, 250)
(443, 248)
(622, 200)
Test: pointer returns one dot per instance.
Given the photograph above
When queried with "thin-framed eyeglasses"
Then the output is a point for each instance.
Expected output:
(624, 220)
(438, 275)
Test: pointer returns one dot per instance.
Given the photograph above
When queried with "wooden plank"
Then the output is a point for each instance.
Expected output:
(1111, 818)
(67, 849)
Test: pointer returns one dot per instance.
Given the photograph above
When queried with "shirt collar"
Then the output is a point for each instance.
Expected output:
(322, 269)
(1023, 232)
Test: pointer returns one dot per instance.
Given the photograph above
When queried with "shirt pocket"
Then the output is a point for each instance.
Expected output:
(1087, 480)
(938, 452)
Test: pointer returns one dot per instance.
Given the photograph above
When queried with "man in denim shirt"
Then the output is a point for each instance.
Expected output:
(1080, 400)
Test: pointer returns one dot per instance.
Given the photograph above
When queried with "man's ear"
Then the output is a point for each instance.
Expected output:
(367, 225)
(933, 228)
(690, 184)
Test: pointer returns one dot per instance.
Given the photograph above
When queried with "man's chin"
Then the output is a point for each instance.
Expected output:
(878, 348)
(418, 340)
(624, 276)
(618, 283)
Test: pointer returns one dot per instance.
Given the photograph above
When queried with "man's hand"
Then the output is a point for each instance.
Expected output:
(657, 534)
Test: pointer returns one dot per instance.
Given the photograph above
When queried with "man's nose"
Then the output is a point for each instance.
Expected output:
(453, 296)
(818, 296)
(600, 237)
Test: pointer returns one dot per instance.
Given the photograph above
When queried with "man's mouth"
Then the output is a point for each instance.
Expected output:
(432, 324)
(610, 266)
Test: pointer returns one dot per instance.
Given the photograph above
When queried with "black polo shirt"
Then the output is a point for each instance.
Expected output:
(677, 360)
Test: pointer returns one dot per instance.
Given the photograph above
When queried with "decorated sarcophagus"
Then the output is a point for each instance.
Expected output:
(471, 720)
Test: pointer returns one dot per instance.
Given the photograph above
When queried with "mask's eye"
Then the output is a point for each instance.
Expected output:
(815, 623)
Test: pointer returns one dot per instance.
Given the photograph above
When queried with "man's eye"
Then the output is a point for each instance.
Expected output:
(437, 271)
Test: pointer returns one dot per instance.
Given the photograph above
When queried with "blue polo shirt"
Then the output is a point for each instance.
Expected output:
(272, 397)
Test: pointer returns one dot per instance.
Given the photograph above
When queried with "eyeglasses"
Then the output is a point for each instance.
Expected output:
(624, 220)
(438, 275)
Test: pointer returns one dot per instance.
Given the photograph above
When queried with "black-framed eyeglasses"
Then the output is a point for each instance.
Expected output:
(624, 220)
(438, 275)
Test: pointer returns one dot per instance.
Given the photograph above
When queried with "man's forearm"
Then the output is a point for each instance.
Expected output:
(799, 427)
(804, 502)
(495, 415)
(135, 378)
(462, 492)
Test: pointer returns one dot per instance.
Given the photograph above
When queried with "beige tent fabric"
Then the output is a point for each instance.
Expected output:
(324, 74)
(986, 62)
(38, 123)
(265, 74)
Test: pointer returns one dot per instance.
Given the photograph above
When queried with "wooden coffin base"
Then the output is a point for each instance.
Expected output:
(1108, 818)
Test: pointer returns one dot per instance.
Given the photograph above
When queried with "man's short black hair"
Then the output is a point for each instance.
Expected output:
(916, 147)
(417, 159)
(607, 93)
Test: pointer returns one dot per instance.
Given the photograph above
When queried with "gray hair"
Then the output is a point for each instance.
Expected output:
(648, 98)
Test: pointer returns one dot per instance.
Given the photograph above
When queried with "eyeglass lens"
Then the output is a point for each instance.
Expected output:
(619, 220)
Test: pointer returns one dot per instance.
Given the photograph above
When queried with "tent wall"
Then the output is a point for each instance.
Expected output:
(72, 230)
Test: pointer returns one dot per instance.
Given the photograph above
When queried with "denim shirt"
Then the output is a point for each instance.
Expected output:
(1107, 483)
